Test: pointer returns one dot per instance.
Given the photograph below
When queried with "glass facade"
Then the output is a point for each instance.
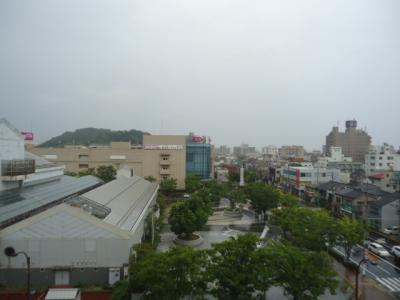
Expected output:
(198, 160)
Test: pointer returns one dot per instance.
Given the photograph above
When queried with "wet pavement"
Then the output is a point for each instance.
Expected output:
(368, 288)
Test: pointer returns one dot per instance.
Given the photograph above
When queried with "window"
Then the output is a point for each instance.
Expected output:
(380, 164)
(82, 166)
(190, 157)
(390, 157)
(82, 269)
(388, 164)
(380, 157)
(372, 157)
(372, 164)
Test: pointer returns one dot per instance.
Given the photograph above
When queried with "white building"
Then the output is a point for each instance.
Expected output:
(301, 177)
(270, 150)
(73, 232)
(382, 158)
(86, 240)
(336, 155)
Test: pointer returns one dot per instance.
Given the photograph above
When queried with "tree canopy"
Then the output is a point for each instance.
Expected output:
(306, 228)
(106, 173)
(303, 274)
(350, 233)
(189, 216)
(234, 268)
(262, 196)
(192, 183)
(170, 275)
(168, 185)
(88, 136)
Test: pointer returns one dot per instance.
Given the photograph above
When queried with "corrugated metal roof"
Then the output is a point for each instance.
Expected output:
(62, 294)
(16, 203)
(127, 198)
(63, 222)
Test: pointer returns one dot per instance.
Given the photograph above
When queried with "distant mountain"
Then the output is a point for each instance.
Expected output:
(88, 136)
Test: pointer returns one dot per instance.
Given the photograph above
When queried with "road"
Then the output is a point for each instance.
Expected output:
(384, 271)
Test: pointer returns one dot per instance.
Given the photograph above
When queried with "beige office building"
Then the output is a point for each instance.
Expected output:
(160, 156)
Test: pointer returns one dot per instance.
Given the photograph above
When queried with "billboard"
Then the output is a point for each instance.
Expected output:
(198, 139)
(28, 136)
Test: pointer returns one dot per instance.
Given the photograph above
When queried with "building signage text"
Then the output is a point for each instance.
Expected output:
(163, 147)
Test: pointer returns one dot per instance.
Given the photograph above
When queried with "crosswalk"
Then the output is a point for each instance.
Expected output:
(392, 283)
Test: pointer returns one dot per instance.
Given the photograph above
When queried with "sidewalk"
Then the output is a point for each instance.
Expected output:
(368, 289)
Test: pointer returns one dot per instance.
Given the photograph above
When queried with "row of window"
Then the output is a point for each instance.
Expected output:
(380, 164)
(80, 269)
(380, 157)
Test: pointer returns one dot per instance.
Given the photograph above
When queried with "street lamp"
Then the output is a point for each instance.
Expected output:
(364, 260)
(10, 252)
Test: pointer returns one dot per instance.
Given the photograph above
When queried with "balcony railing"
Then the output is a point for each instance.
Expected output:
(17, 167)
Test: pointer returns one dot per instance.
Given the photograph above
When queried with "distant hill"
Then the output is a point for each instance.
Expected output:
(88, 136)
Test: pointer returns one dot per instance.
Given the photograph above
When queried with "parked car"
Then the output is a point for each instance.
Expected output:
(186, 196)
(396, 251)
(378, 249)
(391, 230)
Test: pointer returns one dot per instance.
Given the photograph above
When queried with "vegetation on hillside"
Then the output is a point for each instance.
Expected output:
(88, 136)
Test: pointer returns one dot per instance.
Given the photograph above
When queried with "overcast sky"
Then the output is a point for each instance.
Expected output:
(255, 71)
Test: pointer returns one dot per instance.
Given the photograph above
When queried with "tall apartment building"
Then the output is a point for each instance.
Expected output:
(291, 151)
(354, 142)
(381, 158)
(244, 150)
(223, 150)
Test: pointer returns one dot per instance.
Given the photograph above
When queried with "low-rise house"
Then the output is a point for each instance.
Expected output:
(385, 212)
(354, 201)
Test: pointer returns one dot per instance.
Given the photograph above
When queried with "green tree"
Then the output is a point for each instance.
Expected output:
(301, 273)
(306, 228)
(234, 177)
(350, 233)
(192, 183)
(121, 291)
(175, 274)
(232, 268)
(189, 216)
(250, 177)
(168, 185)
(263, 197)
(106, 173)
(150, 178)
(89, 171)
(288, 200)
(236, 195)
